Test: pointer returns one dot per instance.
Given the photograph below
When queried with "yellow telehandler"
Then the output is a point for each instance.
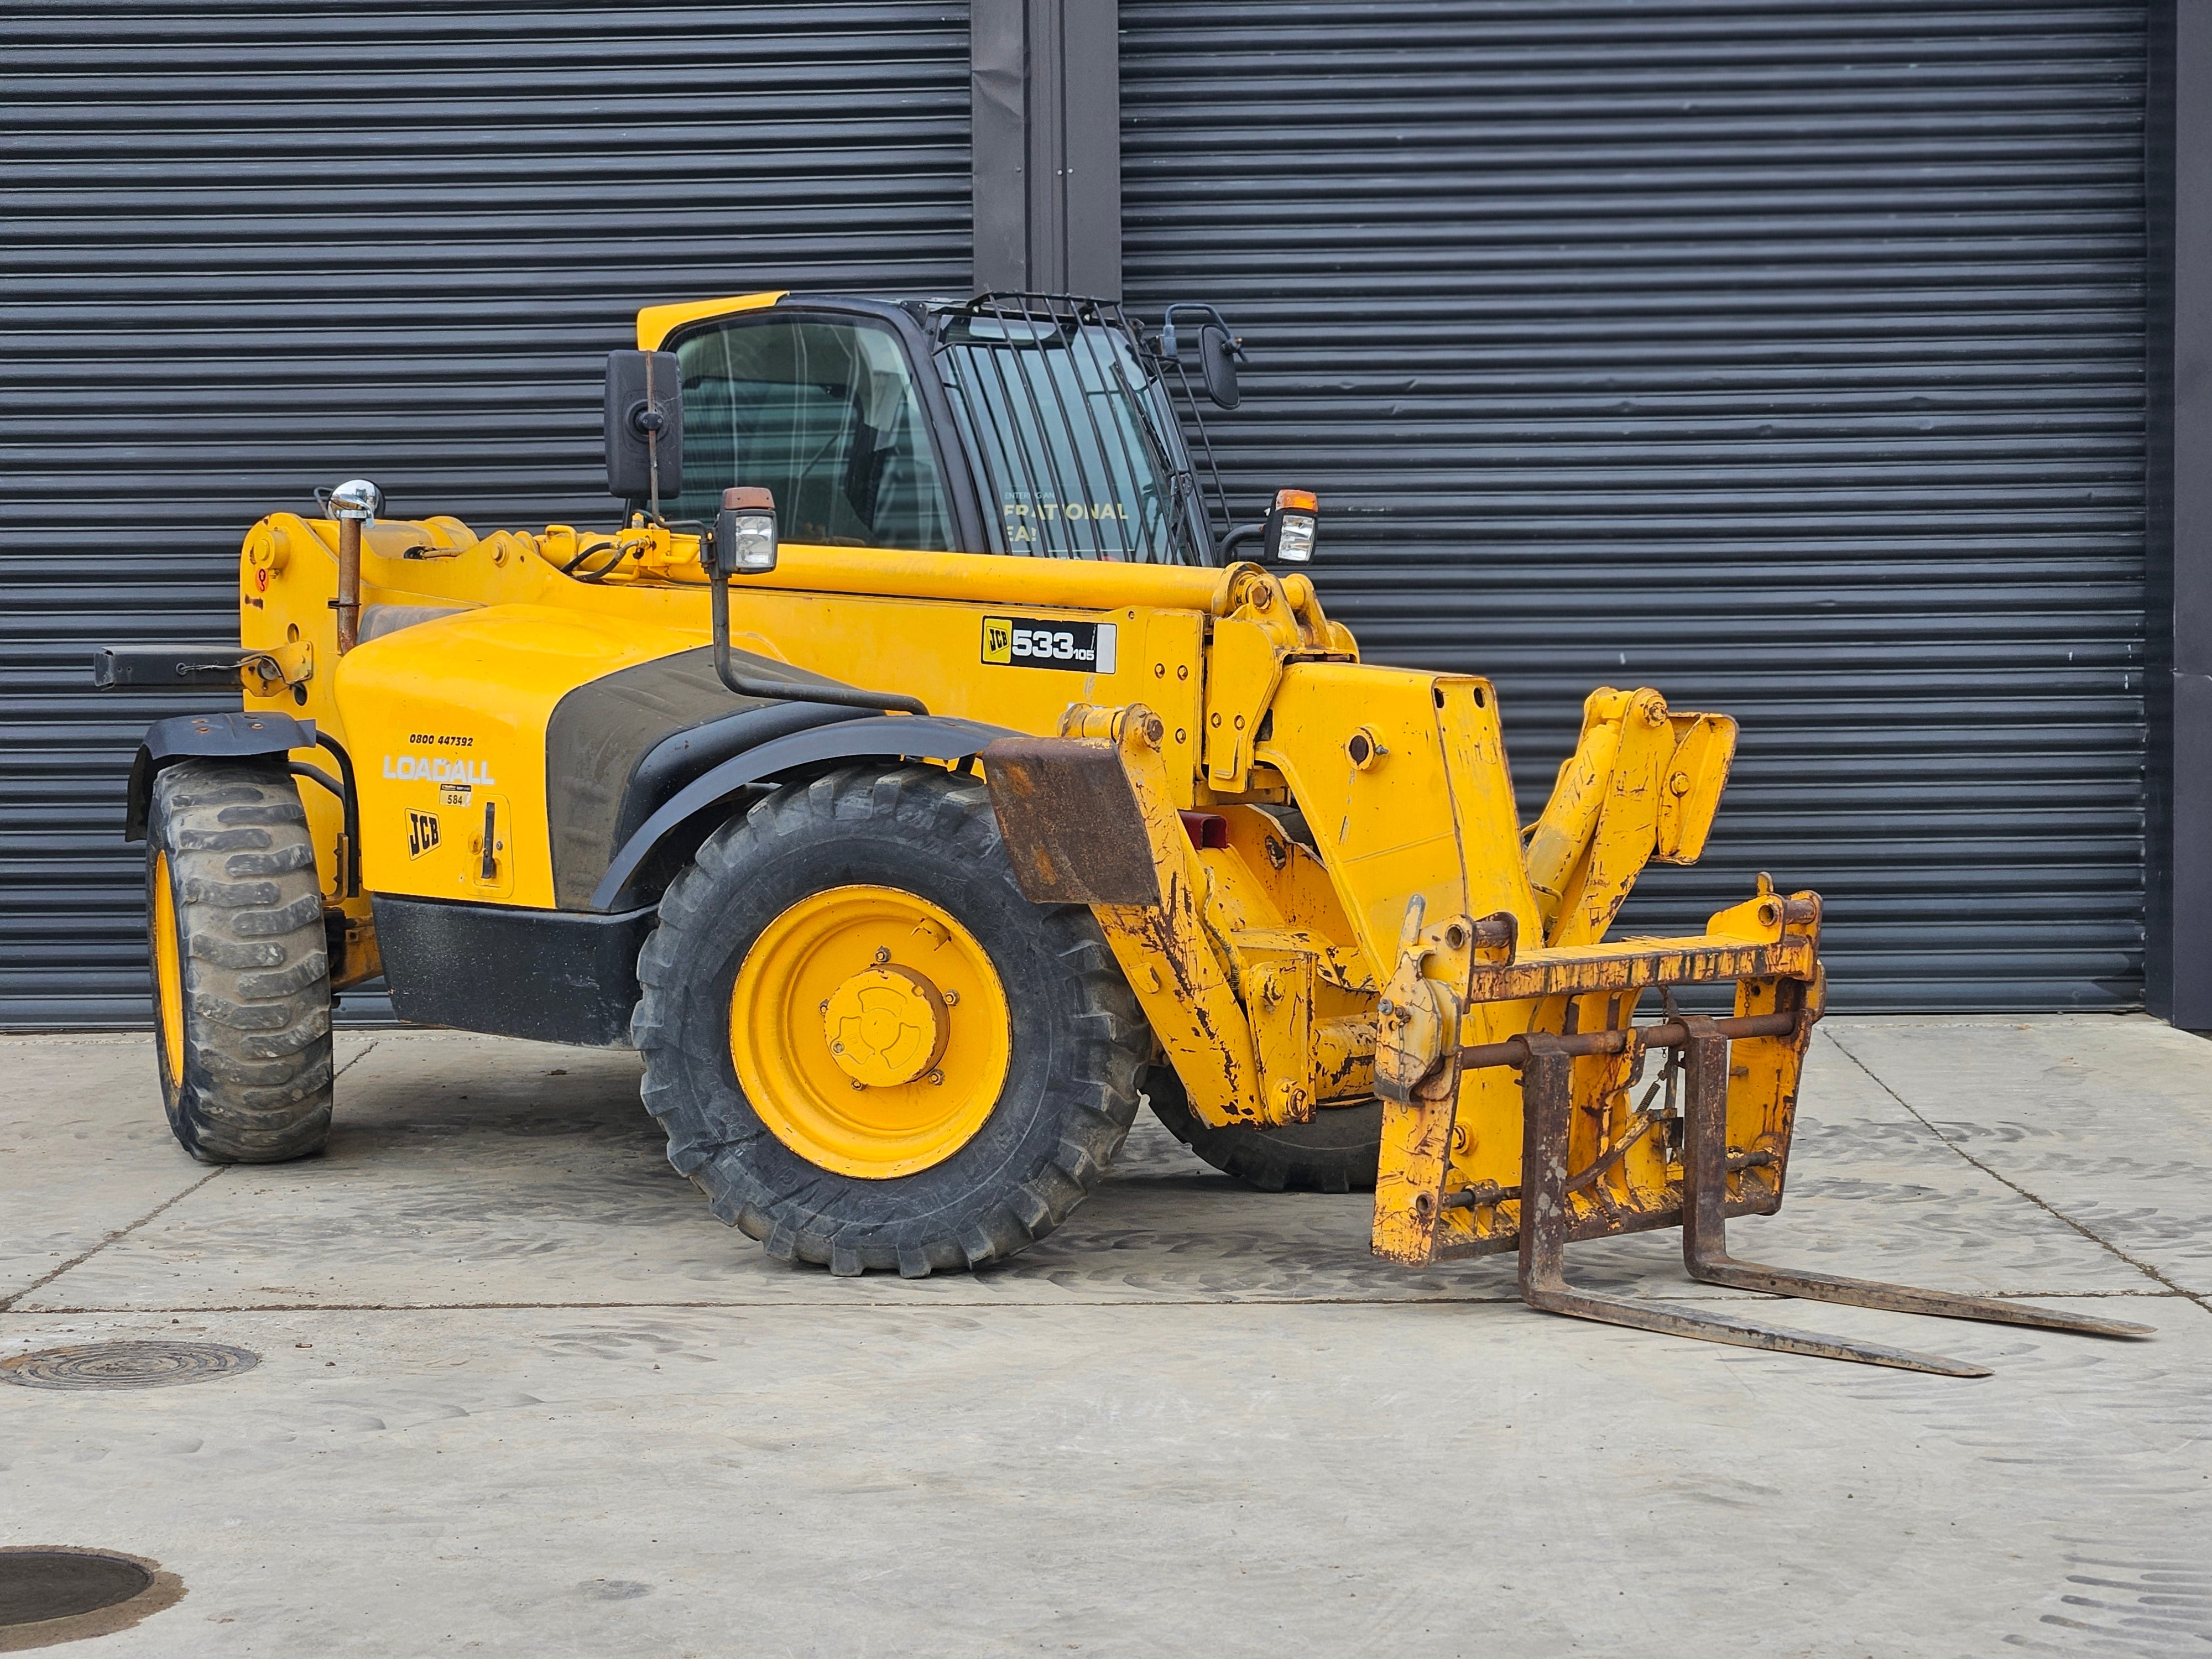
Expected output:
(925, 768)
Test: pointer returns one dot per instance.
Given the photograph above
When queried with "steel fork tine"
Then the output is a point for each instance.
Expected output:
(1546, 1084)
(1704, 1237)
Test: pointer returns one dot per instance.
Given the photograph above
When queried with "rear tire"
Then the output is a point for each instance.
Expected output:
(241, 970)
(1336, 1152)
(1045, 1108)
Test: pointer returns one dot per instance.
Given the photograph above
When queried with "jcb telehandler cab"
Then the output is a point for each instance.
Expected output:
(917, 776)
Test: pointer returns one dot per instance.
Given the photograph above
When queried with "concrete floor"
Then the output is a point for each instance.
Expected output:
(521, 1393)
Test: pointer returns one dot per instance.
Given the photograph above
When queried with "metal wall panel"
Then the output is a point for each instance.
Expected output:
(253, 248)
(1786, 357)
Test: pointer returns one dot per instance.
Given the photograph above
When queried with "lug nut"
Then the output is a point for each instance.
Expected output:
(938, 1079)
(952, 998)
(857, 1084)
(883, 955)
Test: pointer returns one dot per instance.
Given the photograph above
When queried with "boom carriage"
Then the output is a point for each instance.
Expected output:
(598, 787)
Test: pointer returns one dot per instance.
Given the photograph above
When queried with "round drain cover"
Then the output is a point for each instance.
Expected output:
(36, 1584)
(52, 1593)
(126, 1364)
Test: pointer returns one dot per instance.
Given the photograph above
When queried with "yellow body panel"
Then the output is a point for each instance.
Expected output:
(1399, 826)
(453, 712)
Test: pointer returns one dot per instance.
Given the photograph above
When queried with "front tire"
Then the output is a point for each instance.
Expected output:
(869, 1049)
(241, 970)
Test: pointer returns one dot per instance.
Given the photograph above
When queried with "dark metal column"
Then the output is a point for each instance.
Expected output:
(2178, 965)
(1045, 81)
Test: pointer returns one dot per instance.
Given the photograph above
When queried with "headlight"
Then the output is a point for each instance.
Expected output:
(745, 533)
(1293, 525)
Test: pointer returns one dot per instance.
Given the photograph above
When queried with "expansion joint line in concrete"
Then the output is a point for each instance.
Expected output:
(85, 1255)
(8, 1303)
(2048, 1208)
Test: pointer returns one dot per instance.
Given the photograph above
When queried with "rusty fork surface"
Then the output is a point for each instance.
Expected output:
(1547, 1067)
(1704, 1236)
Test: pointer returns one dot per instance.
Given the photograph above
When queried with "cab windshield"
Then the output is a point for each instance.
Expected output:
(822, 411)
(1076, 450)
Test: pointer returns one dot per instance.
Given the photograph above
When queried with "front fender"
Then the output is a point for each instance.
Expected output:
(886, 737)
(233, 734)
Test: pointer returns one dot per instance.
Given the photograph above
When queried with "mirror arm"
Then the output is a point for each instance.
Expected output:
(1241, 534)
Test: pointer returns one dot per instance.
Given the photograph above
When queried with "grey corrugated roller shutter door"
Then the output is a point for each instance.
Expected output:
(1787, 357)
(252, 249)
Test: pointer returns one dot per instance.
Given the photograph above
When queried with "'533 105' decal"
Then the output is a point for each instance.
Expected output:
(1031, 642)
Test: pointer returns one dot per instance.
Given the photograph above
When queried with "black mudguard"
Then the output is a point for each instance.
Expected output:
(888, 737)
(188, 736)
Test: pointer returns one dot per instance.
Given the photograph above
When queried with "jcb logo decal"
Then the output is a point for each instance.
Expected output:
(422, 833)
(1030, 642)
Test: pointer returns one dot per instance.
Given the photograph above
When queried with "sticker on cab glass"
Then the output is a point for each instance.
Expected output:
(1030, 642)
(422, 833)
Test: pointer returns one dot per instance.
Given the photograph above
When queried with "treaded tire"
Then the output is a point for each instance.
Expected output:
(255, 1082)
(1336, 1152)
(1078, 1040)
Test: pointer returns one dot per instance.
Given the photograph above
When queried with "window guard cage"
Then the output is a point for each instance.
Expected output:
(1079, 443)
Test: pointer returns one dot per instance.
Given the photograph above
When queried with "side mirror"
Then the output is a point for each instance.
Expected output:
(1293, 527)
(644, 423)
(1217, 366)
(1218, 350)
(356, 498)
(745, 533)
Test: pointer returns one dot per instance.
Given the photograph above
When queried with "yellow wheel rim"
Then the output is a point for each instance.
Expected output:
(870, 1031)
(169, 970)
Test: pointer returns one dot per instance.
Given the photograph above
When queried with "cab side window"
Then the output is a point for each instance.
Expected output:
(823, 413)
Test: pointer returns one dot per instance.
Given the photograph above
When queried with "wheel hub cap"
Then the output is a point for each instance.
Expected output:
(870, 1031)
(885, 1026)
